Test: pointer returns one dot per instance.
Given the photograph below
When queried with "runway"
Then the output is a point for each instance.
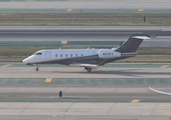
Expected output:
(101, 35)
(115, 91)
(109, 92)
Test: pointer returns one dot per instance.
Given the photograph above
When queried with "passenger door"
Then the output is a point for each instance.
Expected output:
(48, 56)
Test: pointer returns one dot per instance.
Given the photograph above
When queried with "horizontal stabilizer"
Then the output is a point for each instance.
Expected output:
(141, 37)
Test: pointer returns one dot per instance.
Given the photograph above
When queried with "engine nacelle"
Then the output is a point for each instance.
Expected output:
(106, 54)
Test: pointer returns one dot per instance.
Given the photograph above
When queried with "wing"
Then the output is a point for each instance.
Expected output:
(92, 66)
(166, 93)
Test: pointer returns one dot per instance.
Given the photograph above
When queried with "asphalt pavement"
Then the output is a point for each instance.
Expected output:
(82, 35)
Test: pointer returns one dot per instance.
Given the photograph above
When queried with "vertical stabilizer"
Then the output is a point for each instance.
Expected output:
(132, 44)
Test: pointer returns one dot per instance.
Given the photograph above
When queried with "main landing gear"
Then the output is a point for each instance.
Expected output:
(37, 68)
(88, 69)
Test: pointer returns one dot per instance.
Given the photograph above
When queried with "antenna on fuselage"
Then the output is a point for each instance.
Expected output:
(121, 43)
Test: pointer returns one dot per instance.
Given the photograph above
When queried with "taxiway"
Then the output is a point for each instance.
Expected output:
(115, 91)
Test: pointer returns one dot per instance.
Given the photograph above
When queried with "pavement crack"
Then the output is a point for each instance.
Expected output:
(114, 90)
(65, 89)
(14, 89)
(153, 109)
(30, 76)
(68, 108)
(111, 109)
(80, 73)
(25, 108)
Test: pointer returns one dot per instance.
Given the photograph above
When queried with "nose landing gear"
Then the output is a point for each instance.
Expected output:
(37, 68)
(88, 69)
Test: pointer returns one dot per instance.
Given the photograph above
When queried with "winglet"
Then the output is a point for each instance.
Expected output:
(132, 44)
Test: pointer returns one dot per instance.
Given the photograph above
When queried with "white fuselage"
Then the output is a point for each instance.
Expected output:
(44, 56)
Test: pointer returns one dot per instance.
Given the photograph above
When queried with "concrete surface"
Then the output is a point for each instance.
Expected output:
(85, 6)
(52, 35)
(62, 109)
(27, 99)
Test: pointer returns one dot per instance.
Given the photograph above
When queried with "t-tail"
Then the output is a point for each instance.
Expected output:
(132, 44)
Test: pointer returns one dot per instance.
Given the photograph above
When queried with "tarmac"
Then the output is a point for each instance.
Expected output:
(115, 91)
(82, 6)
(88, 36)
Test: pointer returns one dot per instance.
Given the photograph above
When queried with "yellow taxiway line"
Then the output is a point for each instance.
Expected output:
(135, 101)
(48, 79)
(164, 66)
(69, 9)
(6, 65)
(64, 42)
(140, 10)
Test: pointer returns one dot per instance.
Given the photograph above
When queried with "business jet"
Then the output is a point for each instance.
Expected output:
(87, 58)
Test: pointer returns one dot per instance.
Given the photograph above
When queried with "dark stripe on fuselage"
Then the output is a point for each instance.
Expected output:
(67, 61)
(94, 59)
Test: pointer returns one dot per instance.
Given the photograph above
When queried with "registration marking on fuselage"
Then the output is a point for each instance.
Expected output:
(135, 101)
(48, 79)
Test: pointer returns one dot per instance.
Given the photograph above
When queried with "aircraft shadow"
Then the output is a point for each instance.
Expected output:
(73, 98)
(128, 72)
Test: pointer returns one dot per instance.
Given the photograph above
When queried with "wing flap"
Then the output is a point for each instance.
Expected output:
(85, 65)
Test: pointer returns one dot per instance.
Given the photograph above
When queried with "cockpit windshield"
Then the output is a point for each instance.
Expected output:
(38, 53)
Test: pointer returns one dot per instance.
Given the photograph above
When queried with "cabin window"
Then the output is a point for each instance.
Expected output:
(56, 55)
(76, 55)
(71, 55)
(61, 55)
(39, 53)
(66, 55)
(81, 54)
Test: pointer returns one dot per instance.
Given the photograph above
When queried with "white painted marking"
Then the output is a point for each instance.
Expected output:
(6, 65)
(163, 37)
(166, 30)
(166, 93)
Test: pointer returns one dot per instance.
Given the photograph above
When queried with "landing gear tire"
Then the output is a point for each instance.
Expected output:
(37, 68)
(88, 69)
(60, 94)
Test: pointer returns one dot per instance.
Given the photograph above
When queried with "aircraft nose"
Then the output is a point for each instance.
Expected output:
(29, 60)
(25, 61)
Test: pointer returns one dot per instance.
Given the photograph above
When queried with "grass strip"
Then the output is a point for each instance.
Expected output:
(85, 19)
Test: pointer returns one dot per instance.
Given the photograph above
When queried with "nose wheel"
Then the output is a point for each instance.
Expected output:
(88, 69)
(37, 68)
